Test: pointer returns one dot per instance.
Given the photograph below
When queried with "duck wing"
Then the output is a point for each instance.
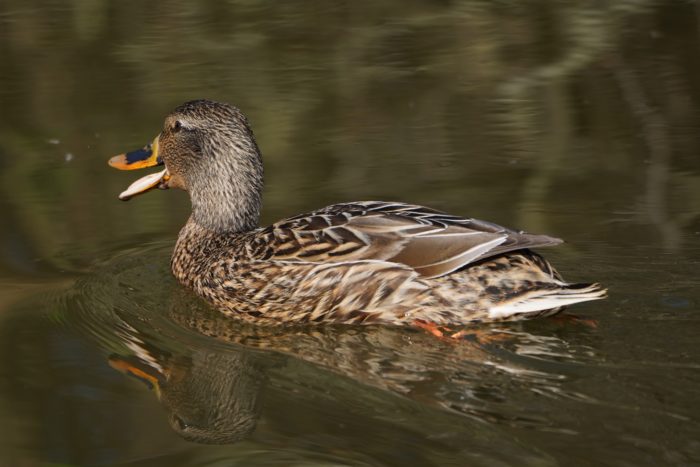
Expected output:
(430, 242)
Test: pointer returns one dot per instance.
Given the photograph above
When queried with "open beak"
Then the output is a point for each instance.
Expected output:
(133, 366)
(145, 157)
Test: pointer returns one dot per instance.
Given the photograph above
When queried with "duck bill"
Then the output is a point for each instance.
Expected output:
(135, 368)
(147, 156)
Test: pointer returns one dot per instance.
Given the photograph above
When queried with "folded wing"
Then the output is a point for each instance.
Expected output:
(431, 242)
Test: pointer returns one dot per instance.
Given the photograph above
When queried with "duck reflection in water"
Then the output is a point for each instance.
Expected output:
(212, 393)
(211, 397)
(211, 378)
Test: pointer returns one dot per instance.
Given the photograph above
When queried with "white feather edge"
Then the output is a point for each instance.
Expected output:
(467, 256)
(529, 304)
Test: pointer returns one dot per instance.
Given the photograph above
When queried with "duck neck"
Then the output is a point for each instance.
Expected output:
(228, 197)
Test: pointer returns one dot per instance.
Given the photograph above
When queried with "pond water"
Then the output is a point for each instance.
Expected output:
(579, 120)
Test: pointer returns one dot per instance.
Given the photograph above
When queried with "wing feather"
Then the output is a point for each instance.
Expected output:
(431, 242)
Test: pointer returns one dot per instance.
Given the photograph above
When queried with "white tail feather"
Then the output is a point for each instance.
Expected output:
(540, 300)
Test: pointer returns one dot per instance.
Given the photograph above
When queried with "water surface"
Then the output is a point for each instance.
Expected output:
(578, 120)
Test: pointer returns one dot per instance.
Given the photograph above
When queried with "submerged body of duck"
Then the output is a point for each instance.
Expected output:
(361, 262)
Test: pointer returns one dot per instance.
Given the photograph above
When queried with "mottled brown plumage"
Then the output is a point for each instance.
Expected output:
(362, 262)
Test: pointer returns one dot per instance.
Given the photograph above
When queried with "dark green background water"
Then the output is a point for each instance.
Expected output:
(579, 120)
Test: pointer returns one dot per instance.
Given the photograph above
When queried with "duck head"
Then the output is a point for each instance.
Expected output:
(209, 150)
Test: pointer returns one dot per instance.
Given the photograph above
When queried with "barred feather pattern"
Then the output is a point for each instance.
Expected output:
(374, 262)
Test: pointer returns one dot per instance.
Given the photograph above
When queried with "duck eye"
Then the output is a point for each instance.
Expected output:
(177, 126)
(180, 423)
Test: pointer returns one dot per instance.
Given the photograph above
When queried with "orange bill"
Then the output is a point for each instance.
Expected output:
(145, 157)
(133, 367)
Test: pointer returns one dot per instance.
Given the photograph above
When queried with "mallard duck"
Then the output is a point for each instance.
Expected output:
(361, 262)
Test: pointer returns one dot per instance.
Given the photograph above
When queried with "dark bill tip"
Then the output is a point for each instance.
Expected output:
(139, 159)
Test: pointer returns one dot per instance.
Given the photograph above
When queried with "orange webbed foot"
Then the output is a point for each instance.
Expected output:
(432, 328)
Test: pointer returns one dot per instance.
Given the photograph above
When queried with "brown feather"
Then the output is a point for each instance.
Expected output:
(363, 262)
(430, 242)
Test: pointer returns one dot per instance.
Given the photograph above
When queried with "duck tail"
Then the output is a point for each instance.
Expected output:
(546, 302)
